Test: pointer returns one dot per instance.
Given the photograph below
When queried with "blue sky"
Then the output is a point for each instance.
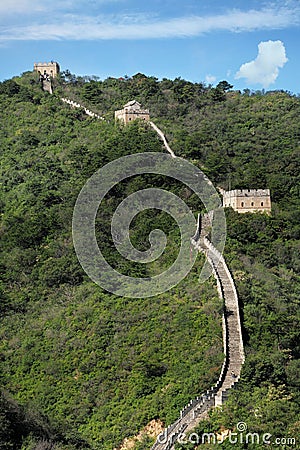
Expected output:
(252, 44)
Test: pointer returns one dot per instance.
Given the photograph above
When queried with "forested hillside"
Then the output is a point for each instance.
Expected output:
(82, 368)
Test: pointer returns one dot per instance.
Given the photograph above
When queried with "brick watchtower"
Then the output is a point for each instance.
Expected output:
(131, 111)
(47, 68)
(248, 200)
(47, 72)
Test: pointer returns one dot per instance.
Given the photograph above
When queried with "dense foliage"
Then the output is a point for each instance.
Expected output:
(81, 368)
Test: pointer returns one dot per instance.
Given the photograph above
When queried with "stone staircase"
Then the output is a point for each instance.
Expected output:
(197, 409)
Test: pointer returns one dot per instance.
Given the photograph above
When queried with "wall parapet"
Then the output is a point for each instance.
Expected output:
(77, 105)
(246, 193)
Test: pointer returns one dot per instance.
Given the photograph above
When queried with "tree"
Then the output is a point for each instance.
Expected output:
(224, 86)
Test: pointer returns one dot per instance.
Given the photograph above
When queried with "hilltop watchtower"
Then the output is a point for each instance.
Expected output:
(248, 200)
(131, 111)
(47, 69)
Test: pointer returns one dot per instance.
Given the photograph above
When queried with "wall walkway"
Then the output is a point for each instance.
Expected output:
(162, 136)
(197, 409)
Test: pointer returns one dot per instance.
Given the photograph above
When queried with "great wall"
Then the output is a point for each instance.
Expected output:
(197, 409)
(77, 105)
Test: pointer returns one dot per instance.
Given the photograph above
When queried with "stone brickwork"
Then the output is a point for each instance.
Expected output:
(132, 111)
(248, 200)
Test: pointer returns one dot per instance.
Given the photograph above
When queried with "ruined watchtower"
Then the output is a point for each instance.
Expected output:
(131, 111)
(248, 200)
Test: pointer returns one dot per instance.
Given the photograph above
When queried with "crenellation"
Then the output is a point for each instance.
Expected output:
(50, 69)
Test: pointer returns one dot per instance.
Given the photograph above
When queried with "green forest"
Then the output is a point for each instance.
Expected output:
(81, 368)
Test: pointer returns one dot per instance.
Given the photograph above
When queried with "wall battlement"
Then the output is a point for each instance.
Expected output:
(247, 192)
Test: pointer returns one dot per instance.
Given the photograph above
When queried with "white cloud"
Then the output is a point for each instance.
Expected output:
(210, 78)
(18, 7)
(264, 69)
(76, 26)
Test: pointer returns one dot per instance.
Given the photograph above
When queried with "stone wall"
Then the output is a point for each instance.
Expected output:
(77, 105)
(163, 137)
(197, 409)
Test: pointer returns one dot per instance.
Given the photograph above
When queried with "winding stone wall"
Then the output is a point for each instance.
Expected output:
(197, 409)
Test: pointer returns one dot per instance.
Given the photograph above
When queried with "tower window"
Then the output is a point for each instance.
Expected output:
(242, 204)
(262, 204)
(252, 204)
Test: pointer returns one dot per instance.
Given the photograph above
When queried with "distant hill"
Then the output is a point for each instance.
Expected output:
(81, 368)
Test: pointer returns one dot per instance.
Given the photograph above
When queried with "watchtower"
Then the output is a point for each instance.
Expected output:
(131, 111)
(248, 200)
(47, 69)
